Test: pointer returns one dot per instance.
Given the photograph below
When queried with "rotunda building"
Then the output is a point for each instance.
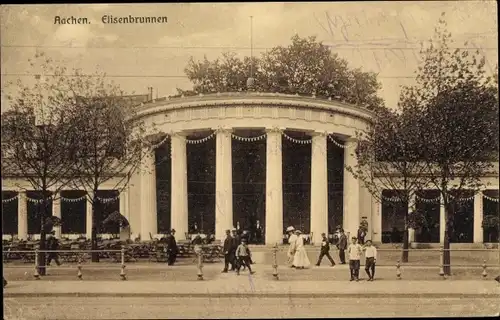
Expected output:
(232, 118)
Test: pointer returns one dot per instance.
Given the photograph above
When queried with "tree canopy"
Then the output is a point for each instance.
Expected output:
(454, 104)
(305, 67)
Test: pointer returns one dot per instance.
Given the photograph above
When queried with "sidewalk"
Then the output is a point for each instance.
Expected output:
(247, 286)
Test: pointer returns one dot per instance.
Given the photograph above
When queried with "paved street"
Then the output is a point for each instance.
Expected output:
(242, 308)
(386, 257)
(162, 272)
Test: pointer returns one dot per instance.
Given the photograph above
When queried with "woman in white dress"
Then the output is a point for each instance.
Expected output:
(300, 259)
(291, 241)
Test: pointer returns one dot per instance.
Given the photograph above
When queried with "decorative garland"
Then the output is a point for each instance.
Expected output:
(198, 141)
(335, 142)
(490, 198)
(249, 139)
(103, 200)
(471, 198)
(73, 200)
(159, 144)
(11, 199)
(307, 141)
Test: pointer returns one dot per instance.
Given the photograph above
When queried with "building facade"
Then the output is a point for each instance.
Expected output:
(265, 118)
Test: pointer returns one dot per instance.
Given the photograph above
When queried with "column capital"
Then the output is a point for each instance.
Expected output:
(223, 129)
(319, 134)
(351, 140)
(275, 130)
(180, 134)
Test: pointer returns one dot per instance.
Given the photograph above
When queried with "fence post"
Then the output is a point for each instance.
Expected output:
(275, 262)
(200, 264)
(36, 274)
(123, 276)
(484, 274)
(79, 266)
(398, 270)
(441, 262)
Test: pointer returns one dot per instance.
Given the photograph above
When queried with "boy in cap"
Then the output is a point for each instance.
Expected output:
(227, 248)
(325, 251)
(354, 252)
(235, 243)
(371, 259)
(243, 256)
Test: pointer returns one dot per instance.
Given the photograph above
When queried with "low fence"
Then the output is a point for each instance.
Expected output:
(121, 257)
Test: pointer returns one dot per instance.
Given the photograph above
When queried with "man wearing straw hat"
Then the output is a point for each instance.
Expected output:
(292, 238)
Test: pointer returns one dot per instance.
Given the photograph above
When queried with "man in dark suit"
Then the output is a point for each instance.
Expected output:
(325, 251)
(234, 245)
(258, 232)
(171, 248)
(361, 235)
(53, 244)
(228, 246)
(342, 246)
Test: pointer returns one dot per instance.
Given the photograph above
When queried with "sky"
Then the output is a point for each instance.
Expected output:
(383, 37)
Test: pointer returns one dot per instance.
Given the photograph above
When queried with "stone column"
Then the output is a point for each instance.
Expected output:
(124, 211)
(376, 220)
(442, 221)
(179, 202)
(223, 184)
(478, 217)
(22, 216)
(56, 212)
(89, 220)
(319, 187)
(148, 189)
(411, 208)
(274, 188)
(351, 190)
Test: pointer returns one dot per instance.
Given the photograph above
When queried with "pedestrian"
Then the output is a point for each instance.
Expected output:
(300, 258)
(371, 259)
(235, 243)
(361, 235)
(325, 251)
(342, 246)
(172, 249)
(354, 252)
(227, 248)
(243, 256)
(292, 238)
(53, 244)
(258, 232)
(246, 236)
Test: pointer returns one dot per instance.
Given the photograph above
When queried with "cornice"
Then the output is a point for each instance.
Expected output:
(254, 99)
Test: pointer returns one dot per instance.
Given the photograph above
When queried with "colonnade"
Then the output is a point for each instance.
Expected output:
(274, 189)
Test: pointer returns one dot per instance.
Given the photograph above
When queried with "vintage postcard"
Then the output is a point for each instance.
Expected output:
(250, 160)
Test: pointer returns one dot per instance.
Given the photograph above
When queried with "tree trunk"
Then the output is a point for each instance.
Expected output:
(446, 254)
(42, 260)
(406, 244)
(95, 255)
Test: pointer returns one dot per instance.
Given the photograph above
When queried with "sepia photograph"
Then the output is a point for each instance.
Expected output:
(250, 160)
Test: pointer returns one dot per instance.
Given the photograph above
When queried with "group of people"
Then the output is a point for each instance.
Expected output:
(236, 253)
(297, 254)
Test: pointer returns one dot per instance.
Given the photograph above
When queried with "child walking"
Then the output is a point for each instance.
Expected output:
(243, 256)
(371, 259)
(354, 252)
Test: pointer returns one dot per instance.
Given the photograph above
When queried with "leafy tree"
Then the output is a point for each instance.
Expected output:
(387, 160)
(457, 104)
(36, 138)
(305, 67)
(109, 142)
